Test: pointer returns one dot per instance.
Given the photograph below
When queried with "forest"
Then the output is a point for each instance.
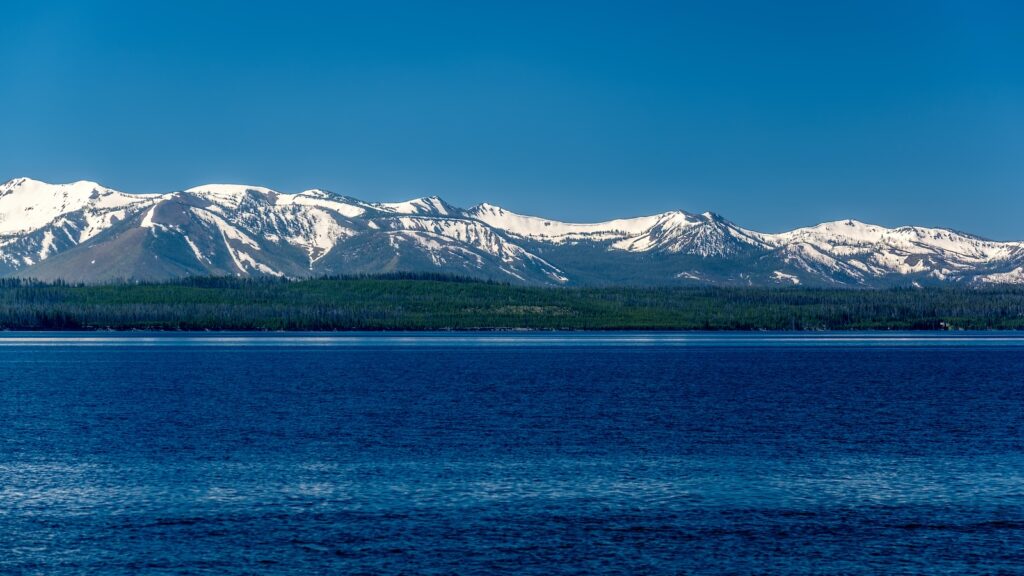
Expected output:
(434, 302)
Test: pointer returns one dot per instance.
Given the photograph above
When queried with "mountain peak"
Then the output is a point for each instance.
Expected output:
(488, 208)
(253, 230)
(227, 189)
(425, 205)
(24, 182)
(27, 204)
(20, 181)
(318, 192)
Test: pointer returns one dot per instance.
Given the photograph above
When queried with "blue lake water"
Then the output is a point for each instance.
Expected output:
(512, 453)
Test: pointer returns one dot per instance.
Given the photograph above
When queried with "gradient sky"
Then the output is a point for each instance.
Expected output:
(773, 114)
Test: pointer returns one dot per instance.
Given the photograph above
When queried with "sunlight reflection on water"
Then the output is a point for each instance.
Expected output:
(545, 339)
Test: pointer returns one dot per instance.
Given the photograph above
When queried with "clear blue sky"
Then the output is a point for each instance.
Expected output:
(774, 114)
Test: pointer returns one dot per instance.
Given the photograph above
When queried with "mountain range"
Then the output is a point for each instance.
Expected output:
(85, 232)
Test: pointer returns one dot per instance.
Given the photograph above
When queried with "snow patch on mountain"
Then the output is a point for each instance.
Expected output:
(27, 205)
(1015, 276)
(228, 194)
(674, 232)
(781, 276)
(322, 199)
(227, 231)
(427, 205)
(560, 232)
(195, 250)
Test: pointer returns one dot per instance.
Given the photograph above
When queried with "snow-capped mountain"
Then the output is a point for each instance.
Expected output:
(86, 232)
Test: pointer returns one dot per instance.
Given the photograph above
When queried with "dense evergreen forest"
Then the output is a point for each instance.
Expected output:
(426, 302)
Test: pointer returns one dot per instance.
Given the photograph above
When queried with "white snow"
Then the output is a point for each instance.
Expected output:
(321, 199)
(37, 220)
(1015, 276)
(850, 237)
(27, 205)
(426, 205)
(664, 230)
(195, 249)
(433, 234)
(673, 232)
(47, 245)
(316, 231)
(861, 249)
(781, 276)
(147, 220)
(466, 231)
(227, 193)
(559, 232)
(847, 231)
(228, 231)
(243, 259)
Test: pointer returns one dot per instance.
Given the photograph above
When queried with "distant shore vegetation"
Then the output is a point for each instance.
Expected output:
(436, 302)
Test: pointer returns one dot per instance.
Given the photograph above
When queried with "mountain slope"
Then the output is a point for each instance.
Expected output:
(85, 232)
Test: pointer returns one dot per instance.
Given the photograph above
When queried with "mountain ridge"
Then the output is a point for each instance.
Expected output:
(85, 232)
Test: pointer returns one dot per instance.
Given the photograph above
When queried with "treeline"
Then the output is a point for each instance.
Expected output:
(435, 302)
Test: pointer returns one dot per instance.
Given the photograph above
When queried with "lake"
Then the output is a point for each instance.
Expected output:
(512, 453)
